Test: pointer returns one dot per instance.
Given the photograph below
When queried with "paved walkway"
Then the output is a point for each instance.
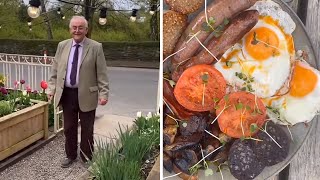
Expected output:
(106, 126)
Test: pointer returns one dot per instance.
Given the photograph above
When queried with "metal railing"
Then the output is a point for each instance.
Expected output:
(32, 69)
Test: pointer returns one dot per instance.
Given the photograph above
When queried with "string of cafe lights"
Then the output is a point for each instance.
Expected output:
(59, 12)
(34, 10)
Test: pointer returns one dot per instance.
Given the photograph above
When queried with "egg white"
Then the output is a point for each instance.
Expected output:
(269, 75)
(271, 8)
(292, 110)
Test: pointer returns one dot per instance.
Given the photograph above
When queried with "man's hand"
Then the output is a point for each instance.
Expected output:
(103, 101)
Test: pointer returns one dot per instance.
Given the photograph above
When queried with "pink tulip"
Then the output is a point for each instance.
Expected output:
(28, 88)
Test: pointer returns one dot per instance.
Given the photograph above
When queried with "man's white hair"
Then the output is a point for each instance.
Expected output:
(78, 17)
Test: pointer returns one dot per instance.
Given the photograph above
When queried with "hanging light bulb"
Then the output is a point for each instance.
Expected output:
(63, 17)
(103, 16)
(153, 9)
(102, 21)
(34, 10)
(133, 17)
(29, 23)
(59, 10)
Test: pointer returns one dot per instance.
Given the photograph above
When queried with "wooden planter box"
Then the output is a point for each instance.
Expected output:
(22, 128)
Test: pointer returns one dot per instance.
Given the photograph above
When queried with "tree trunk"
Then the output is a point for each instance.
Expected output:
(46, 19)
(88, 14)
(154, 35)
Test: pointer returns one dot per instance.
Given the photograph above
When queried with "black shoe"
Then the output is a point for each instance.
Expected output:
(67, 162)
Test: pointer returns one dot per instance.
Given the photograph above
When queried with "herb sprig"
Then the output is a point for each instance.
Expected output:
(247, 81)
(208, 26)
(205, 78)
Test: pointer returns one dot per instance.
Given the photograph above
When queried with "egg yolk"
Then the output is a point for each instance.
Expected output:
(260, 46)
(289, 38)
(303, 81)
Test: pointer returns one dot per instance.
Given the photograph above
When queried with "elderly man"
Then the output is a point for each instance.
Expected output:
(78, 82)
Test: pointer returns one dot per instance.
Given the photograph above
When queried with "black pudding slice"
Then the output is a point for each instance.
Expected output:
(267, 151)
(243, 163)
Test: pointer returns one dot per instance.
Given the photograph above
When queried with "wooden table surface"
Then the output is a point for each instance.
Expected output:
(306, 164)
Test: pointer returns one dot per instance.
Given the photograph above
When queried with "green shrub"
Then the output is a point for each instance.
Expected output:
(5, 108)
(108, 165)
(123, 159)
(135, 146)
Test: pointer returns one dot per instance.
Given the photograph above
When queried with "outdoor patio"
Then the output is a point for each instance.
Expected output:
(45, 162)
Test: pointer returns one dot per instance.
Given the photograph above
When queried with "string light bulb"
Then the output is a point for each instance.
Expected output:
(34, 10)
(103, 16)
(133, 17)
(59, 10)
(102, 21)
(153, 9)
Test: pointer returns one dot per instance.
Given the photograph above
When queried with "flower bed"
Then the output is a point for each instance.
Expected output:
(23, 117)
(13, 100)
(127, 157)
(22, 128)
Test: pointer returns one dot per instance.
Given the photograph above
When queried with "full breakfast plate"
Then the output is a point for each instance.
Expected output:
(238, 104)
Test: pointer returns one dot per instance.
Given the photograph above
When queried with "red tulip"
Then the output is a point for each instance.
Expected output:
(44, 85)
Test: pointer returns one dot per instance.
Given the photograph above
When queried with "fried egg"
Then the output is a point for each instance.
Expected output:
(302, 102)
(261, 62)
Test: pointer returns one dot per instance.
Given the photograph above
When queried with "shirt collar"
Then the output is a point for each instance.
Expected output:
(81, 43)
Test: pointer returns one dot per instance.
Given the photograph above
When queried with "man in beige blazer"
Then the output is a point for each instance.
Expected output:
(78, 82)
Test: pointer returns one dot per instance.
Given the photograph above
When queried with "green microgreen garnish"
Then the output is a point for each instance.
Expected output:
(205, 78)
(247, 81)
(229, 64)
(208, 26)
(254, 40)
(238, 106)
(226, 97)
(253, 127)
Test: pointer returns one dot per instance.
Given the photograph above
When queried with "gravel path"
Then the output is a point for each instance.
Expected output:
(44, 164)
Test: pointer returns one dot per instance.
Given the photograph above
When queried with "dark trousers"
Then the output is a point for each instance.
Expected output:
(71, 114)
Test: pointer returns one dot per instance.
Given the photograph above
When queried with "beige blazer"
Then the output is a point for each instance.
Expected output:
(93, 80)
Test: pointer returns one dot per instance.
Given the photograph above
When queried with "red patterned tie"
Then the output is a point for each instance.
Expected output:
(74, 68)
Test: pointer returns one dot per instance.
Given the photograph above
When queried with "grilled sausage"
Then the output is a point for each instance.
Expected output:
(174, 24)
(239, 26)
(185, 6)
(219, 10)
